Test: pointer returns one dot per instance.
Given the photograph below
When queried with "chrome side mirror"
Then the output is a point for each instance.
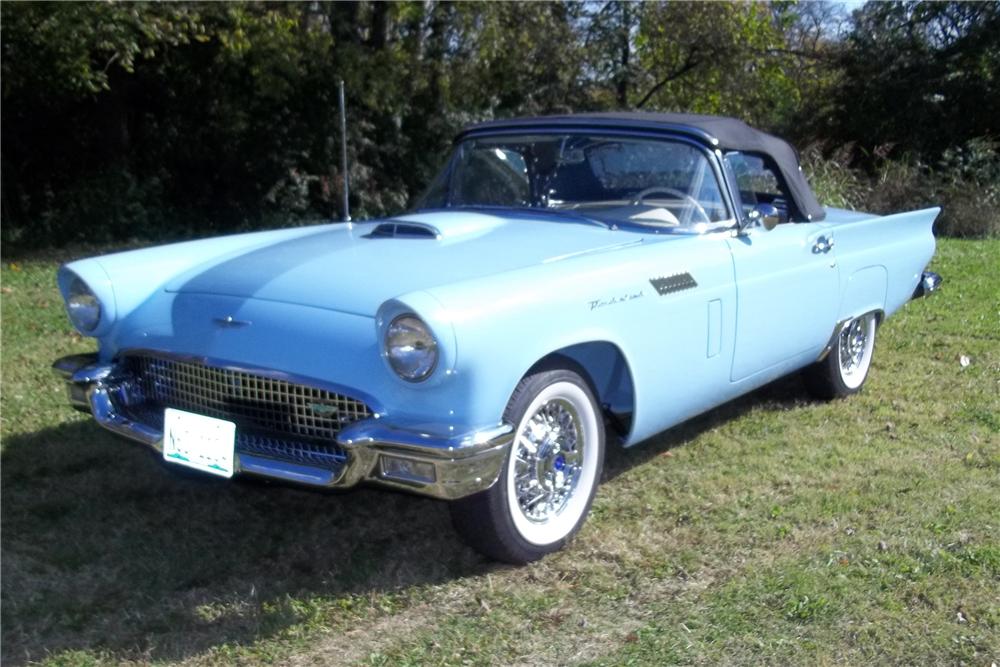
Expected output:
(766, 214)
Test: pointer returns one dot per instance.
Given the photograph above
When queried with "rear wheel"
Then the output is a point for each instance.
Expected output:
(550, 475)
(845, 368)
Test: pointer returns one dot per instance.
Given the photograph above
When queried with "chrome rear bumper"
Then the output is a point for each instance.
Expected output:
(445, 468)
(929, 282)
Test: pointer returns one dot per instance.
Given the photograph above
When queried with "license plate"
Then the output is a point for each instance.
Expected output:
(199, 442)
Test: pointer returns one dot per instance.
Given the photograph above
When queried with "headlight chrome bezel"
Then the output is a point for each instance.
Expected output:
(405, 333)
(83, 306)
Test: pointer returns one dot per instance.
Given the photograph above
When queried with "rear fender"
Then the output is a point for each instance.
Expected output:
(882, 259)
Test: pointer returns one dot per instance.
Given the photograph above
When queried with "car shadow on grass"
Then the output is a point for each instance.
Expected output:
(106, 547)
(784, 393)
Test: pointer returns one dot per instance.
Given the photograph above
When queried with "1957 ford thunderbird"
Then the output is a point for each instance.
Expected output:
(564, 280)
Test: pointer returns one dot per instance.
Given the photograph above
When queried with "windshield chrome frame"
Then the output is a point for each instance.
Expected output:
(712, 154)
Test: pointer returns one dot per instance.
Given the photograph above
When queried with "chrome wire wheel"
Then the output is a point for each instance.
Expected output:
(553, 465)
(548, 453)
(552, 468)
(854, 350)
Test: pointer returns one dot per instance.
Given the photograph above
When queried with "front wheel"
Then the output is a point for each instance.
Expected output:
(845, 368)
(550, 475)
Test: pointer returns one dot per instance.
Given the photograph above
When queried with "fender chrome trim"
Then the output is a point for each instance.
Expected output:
(837, 330)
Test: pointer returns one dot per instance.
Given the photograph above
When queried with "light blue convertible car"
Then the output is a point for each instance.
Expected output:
(565, 280)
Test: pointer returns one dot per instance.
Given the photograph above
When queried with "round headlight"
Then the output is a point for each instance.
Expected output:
(411, 348)
(83, 306)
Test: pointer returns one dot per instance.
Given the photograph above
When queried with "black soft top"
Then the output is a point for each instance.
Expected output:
(714, 131)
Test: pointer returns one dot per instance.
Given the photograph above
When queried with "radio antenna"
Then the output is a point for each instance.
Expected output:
(343, 153)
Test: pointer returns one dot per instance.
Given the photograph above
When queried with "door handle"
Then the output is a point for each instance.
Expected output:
(823, 244)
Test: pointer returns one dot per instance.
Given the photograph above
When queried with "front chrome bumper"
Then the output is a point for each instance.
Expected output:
(445, 468)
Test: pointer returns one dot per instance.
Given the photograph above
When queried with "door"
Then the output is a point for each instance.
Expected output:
(786, 279)
(786, 289)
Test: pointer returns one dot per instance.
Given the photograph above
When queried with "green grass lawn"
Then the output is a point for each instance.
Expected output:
(775, 529)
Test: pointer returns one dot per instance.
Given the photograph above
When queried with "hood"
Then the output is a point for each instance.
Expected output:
(355, 268)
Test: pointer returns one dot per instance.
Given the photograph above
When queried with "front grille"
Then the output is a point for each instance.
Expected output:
(273, 418)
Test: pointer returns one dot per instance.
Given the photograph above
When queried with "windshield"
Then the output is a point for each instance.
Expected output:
(654, 182)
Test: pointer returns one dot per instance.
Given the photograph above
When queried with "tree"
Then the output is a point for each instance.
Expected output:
(919, 76)
(124, 119)
(719, 58)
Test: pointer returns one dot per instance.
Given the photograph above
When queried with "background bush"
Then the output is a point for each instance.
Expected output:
(965, 183)
(157, 121)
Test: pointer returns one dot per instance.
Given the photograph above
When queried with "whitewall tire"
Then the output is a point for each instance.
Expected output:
(550, 474)
(846, 366)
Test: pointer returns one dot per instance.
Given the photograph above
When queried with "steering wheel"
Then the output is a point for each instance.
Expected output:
(638, 201)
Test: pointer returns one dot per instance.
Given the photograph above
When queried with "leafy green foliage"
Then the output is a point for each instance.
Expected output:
(965, 183)
(716, 58)
(137, 120)
(70, 50)
(919, 77)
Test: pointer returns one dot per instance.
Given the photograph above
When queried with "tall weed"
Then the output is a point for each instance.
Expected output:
(965, 183)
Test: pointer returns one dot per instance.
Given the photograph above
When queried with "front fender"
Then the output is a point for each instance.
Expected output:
(512, 324)
(505, 324)
(125, 280)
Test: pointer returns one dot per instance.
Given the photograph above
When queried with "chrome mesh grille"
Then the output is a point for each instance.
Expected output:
(273, 417)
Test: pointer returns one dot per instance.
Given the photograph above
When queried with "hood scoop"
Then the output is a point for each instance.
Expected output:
(403, 230)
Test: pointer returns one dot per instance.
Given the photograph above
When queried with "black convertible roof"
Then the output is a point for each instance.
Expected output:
(714, 131)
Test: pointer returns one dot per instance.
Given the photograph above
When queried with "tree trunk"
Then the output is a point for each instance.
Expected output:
(625, 45)
(379, 26)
